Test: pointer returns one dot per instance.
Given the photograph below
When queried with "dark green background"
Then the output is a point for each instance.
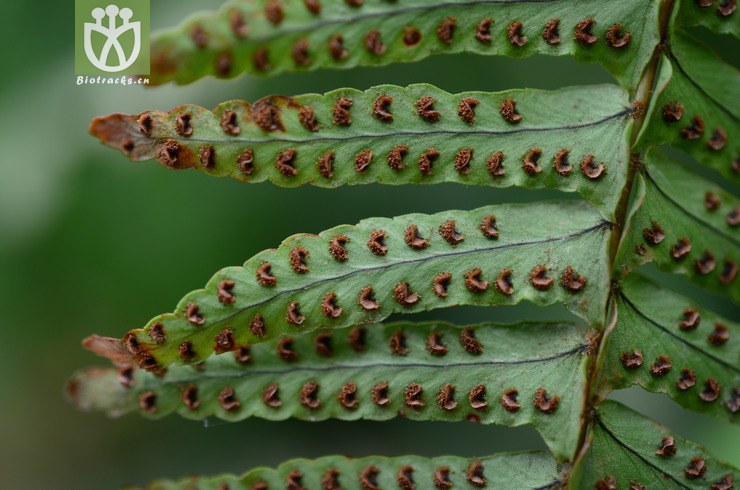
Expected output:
(91, 243)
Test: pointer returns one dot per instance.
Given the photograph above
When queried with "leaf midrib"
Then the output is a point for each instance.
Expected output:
(402, 134)
(674, 59)
(633, 451)
(399, 263)
(580, 348)
(688, 213)
(351, 19)
(634, 307)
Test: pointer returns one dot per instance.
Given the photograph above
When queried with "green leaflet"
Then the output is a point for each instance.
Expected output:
(352, 275)
(695, 106)
(525, 470)
(702, 350)
(276, 141)
(241, 37)
(366, 373)
(717, 15)
(623, 449)
(684, 224)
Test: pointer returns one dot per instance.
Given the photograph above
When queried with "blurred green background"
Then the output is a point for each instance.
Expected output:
(91, 243)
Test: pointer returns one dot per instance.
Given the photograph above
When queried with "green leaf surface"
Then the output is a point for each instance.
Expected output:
(623, 450)
(588, 121)
(702, 350)
(695, 106)
(685, 224)
(525, 470)
(241, 37)
(716, 15)
(352, 275)
(463, 374)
